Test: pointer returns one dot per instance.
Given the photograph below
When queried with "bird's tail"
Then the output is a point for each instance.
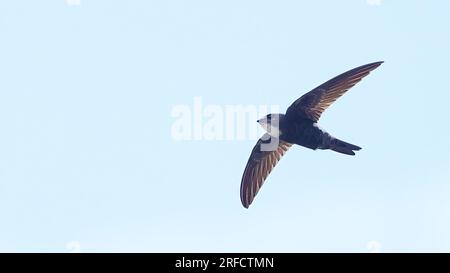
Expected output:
(343, 147)
(339, 146)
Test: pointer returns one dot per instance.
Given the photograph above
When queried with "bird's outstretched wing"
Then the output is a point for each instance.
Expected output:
(261, 162)
(312, 104)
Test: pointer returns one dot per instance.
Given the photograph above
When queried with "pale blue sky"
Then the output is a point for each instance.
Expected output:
(86, 153)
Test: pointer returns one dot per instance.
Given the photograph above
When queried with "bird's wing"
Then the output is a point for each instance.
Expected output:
(262, 160)
(312, 104)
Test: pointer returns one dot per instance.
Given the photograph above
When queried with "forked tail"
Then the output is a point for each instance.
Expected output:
(339, 145)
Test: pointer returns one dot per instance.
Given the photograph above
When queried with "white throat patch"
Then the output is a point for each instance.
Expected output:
(271, 130)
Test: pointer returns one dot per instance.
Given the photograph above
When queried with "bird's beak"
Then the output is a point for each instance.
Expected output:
(257, 121)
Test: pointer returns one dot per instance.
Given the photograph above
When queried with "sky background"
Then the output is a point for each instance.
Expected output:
(87, 161)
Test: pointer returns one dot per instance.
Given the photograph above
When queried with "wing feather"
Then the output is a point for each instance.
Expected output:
(312, 104)
(259, 166)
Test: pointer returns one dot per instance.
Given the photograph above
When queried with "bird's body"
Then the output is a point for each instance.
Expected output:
(303, 132)
(307, 133)
(298, 126)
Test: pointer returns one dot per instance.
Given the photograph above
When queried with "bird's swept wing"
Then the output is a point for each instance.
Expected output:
(312, 104)
(259, 165)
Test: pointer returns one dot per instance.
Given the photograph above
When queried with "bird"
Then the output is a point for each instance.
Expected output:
(298, 126)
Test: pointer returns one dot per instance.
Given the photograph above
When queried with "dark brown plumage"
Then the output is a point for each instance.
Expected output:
(298, 126)
(259, 165)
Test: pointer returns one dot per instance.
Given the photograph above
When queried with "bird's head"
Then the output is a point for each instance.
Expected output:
(271, 123)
